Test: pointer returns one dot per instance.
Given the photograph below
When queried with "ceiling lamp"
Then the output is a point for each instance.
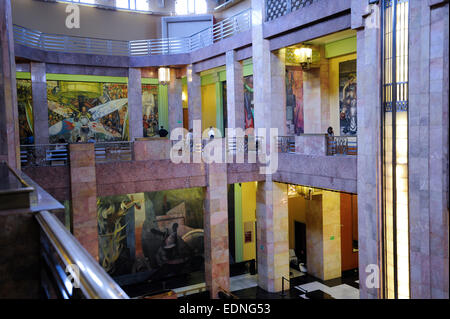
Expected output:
(304, 57)
(163, 76)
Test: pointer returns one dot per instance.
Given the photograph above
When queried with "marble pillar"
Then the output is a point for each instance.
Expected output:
(217, 268)
(175, 101)
(272, 235)
(40, 107)
(83, 188)
(428, 149)
(369, 142)
(323, 235)
(136, 128)
(235, 91)
(316, 103)
(271, 198)
(194, 95)
(9, 124)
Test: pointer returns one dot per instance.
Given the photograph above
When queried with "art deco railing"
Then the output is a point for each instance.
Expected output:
(114, 151)
(72, 44)
(342, 145)
(286, 144)
(44, 155)
(279, 8)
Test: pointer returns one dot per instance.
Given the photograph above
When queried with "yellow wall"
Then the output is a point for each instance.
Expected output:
(249, 215)
(185, 93)
(208, 106)
(333, 89)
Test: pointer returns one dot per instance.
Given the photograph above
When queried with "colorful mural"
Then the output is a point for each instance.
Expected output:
(347, 98)
(248, 102)
(150, 109)
(151, 235)
(294, 101)
(25, 107)
(87, 111)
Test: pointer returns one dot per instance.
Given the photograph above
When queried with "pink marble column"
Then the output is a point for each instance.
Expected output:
(9, 125)
(84, 196)
(217, 268)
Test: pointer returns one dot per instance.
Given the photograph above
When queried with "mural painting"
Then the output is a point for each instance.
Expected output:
(25, 106)
(347, 98)
(248, 102)
(150, 109)
(83, 111)
(294, 101)
(152, 235)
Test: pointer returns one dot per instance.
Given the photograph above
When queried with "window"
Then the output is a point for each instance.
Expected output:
(184, 7)
(141, 5)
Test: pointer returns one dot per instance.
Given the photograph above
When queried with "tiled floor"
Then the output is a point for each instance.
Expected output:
(346, 287)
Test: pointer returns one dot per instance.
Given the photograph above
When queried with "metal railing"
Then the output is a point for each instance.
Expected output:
(286, 144)
(73, 44)
(342, 145)
(279, 8)
(69, 271)
(114, 151)
(44, 155)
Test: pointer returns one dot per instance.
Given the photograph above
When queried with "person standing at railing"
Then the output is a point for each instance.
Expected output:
(163, 132)
(331, 147)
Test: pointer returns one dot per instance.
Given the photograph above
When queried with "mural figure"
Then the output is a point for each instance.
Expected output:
(87, 110)
(150, 109)
(151, 236)
(294, 101)
(248, 102)
(25, 106)
(348, 98)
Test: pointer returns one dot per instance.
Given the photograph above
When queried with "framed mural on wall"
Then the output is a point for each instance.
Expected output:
(150, 109)
(151, 236)
(86, 111)
(347, 98)
(294, 101)
(25, 111)
(248, 102)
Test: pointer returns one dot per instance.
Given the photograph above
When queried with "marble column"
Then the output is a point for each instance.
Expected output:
(136, 128)
(9, 124)
(83, 186)
(269, 99)
(217, 268)
(272, 235)
(366, 20)
(428, 149)
(40, 107)
(194, 95)
(235, 91)
(323, 235)
(175, 101)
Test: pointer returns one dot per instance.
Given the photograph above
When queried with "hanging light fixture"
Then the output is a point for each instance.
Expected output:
(164, 76)
(304, 57)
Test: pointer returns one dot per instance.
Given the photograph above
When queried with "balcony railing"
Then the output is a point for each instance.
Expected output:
(342, 145)
(286, 144)
(71, 44)
(279, 8)
(69, 271)
(44, 155)
(114, 151)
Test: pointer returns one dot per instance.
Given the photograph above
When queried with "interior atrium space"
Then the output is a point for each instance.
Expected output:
(224, 149)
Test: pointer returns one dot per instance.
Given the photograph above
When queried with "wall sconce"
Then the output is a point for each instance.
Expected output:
(304, 57)
(164, 76)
